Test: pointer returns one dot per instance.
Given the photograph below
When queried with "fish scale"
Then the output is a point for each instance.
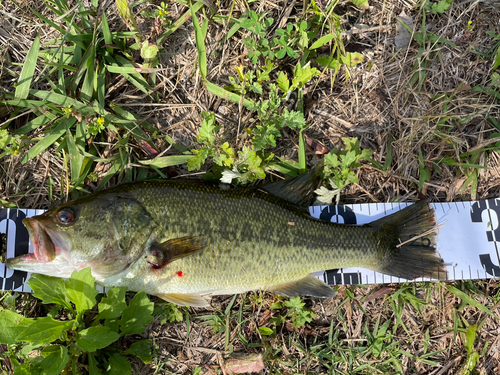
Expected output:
(186, 240)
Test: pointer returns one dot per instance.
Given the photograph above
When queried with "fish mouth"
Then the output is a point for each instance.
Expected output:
(43, 246)
(47, 246)
(50, 250)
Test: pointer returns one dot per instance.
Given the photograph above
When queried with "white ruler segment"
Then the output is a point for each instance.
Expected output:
(468, 240)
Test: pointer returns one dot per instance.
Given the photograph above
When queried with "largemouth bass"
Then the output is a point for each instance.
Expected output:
(187, 240)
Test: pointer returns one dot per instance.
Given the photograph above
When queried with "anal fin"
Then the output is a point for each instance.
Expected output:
(194, 300)
(307, 286)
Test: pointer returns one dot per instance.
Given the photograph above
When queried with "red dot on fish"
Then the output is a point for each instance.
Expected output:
(180, 273)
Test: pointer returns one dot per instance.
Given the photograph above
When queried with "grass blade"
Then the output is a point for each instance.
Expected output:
(75, 158)
(166, 161)
(186, 16)
(44, 119)
(228, 95)
(302, 153)
(54, 134)
(469, 300)
(108, 38)
(200, 33)
(64, 101)
(24, 82)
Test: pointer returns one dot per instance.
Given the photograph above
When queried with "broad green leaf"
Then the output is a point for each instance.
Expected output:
(112, 306)
(265, 331)
(118, 365)
(12, 325)
(322, 41)
(24, 82)
(28, 368)
(44, 331)
(94, 338)
(328, 62)
(148, 52)
(283, 82)
(80, 289)
(141, 349)
(166, 161)
(49, 289)
(93, 369)
(137, 315)
(56, 359)
(352, 58)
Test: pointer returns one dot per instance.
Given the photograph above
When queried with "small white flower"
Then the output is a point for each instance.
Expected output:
(228, 175)
(325, 196)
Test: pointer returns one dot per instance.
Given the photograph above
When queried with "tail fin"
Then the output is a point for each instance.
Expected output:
(407, 240)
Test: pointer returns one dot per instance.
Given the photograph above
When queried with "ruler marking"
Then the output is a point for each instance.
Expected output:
(494, 236)
(6, 249)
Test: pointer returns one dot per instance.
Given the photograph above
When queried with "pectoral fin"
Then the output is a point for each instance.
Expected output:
(308, 286)
(194, 300)
(160, 254)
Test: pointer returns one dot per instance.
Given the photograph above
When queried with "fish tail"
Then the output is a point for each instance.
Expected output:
(407, 243)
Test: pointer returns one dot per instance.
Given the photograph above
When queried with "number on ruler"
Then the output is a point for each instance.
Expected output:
(476, 212)
(421, 241)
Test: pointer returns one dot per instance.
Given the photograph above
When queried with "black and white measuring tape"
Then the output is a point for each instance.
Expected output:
(469, 241)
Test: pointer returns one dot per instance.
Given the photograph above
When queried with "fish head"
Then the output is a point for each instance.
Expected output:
(106, 233)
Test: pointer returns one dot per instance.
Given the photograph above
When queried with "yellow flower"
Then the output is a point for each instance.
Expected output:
(239, 70)
(100, 121)
(470, 22)
(15, 152)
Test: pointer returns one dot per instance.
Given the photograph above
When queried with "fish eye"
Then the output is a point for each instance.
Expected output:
(65, 217)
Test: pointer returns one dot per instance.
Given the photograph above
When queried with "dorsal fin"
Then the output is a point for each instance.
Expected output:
(297, 190)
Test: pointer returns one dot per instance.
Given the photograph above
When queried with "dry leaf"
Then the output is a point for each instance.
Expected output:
(403, 37)
(251, 363)
(317, 147)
